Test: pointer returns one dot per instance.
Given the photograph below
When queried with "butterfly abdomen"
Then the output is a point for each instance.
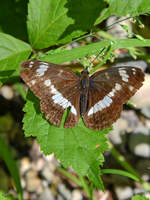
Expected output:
(84, 94)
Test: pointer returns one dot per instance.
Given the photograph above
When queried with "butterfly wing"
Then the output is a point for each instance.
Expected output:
(57, 89)
(109, 90)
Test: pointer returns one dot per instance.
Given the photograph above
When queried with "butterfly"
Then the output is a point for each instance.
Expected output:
(98, 98)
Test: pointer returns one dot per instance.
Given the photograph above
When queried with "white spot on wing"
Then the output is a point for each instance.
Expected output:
(56, 96)
(53, 90)
(112, 93)
(100, 105)
(131, 88)
(61, 101)
(108, 99)
(124, 79)
(47, 82)
(44, 63)
(105, 102)
(58, 100)
(31, 64)
(117, 86)
(73, 110)
(123, 75)
(91, 111)
(33, 82)
(41, 70)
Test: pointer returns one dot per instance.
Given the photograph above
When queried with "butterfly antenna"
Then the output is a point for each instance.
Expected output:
(109, 27)
(97, 55)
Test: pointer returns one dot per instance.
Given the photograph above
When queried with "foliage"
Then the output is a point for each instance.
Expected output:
(6, 155)
(5, 196)
(139, 197)
(53, 22)
(12, 52)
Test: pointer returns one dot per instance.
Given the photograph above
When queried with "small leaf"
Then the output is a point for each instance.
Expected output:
(79, 147)
(12, 53)
(6, 155)
(52, 22)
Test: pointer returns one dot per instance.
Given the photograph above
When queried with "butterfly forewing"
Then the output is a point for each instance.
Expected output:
(109, 90)
(56, 87)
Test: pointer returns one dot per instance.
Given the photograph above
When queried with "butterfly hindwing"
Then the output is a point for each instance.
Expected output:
(57, 89)
(109, 90)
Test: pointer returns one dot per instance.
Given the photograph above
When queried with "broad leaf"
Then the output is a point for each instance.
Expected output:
(124, 7)
(78, 147)
(12, 53)
(51, 22)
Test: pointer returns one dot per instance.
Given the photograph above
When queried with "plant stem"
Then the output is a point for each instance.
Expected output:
(70, 176)
(122, 161)
(86, 187)
(110, 48)
(81, 183)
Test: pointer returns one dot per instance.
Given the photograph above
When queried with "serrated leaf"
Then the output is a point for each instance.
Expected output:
(52, 22)
(12, 53)
(124, 7)
(79, 147)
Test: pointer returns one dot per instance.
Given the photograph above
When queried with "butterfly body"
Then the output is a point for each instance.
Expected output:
(98, 99)
(84, 93)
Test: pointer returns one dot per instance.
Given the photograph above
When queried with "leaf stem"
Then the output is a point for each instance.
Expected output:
(70, 176)
(110, 48)
(81, 183)
(86, 187)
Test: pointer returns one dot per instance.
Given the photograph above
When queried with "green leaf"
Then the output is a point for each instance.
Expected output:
(139, 197)
(6, 155)
(120, 172)
(5, 196)
(52, 22)
(12, 18)
(122, 8)
(79, 147)
(19, 88)
(12, 53)
(95, 48)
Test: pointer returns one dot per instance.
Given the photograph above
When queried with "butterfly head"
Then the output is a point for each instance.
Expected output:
(84, 78)
(85, 71)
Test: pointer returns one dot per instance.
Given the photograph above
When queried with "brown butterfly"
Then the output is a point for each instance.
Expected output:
(98, 99)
